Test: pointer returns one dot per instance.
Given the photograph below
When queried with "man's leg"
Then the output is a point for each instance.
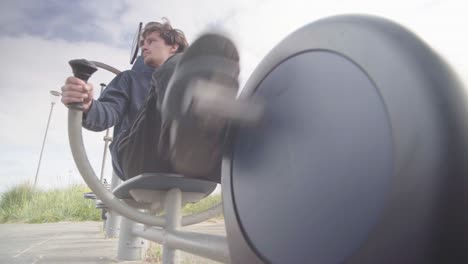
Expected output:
(196, 143)
(166, 139)
(138, 153)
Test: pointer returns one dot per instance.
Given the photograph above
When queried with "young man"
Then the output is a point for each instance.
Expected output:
(148, 135)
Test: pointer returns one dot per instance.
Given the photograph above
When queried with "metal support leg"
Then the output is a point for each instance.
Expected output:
(131, 247)
(112, 224)
(172, 207)
(113, 219)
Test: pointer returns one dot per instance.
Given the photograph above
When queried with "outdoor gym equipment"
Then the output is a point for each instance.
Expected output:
(359, 157)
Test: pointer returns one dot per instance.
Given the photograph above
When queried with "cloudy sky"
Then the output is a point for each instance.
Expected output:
(38, 38)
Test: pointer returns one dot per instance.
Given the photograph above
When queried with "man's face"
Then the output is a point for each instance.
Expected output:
(155, 50)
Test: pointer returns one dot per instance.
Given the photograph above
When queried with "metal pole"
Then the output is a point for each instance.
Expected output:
(75, 136)
(172, 206)
(107, 139)
(213, 247)
(130, 246)
(113, 218)
(43, 143)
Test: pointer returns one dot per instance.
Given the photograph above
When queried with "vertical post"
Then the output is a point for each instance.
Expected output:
(172, 207)
(54, 98)
(131, 247)
(113, 219)
(43, 144)
(107, 139)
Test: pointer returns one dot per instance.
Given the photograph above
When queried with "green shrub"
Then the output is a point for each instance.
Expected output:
(202, 205)
(24, 204)
(13, 201)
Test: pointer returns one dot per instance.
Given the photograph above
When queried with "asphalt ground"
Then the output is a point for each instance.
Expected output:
(68, 242)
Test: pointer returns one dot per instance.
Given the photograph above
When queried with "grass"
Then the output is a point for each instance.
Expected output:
(154, 253)
(24, 204)
(202, 205)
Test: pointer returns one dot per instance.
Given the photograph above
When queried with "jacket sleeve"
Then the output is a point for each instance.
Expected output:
(111, 106)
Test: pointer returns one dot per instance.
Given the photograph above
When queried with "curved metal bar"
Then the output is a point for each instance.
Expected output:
(79, 155)
(106, 67)
(89, 176)
(216, 210)
(106, 138)
(214, 247)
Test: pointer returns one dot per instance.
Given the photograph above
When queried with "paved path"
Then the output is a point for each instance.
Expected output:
(66, 242)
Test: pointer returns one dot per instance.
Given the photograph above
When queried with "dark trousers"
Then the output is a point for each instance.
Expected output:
(146, 147)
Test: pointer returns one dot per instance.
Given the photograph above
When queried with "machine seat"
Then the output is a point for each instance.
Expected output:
(163, 182)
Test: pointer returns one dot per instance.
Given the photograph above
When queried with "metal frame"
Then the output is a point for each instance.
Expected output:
(171, 237)
(113, 221)
(161, 229)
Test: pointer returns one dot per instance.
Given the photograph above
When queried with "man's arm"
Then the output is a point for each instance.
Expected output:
(77, 91)
(105, 112)
(111, 106)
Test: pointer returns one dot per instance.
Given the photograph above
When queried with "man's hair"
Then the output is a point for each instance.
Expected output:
(171, 36)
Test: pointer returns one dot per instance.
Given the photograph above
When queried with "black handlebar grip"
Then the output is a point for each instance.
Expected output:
(82, 69)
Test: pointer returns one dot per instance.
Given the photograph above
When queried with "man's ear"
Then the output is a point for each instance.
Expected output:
(174, 48)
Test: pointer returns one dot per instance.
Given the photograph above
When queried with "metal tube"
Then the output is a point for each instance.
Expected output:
(89, 176)
(79, 155)
(106, 144)
(105, 67)
(131, 247)
(113, 218)
(43, 143)
(209, 246)
(87, 172)
(216, 210)
(156, 234)
(112, 224)
(104, 155)
(172, 207)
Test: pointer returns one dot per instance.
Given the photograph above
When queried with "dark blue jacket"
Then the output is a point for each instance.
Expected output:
(119, 103)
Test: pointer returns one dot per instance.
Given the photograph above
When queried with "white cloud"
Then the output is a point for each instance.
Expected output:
(30, 68)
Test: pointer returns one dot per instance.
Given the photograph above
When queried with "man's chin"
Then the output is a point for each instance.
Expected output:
(147, 60)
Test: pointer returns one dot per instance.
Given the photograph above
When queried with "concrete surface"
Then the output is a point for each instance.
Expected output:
(67, 242)
(63, 242)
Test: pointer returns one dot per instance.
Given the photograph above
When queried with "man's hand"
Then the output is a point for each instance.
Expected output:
(77, 91)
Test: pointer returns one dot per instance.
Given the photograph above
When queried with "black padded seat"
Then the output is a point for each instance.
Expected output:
(161, 182)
